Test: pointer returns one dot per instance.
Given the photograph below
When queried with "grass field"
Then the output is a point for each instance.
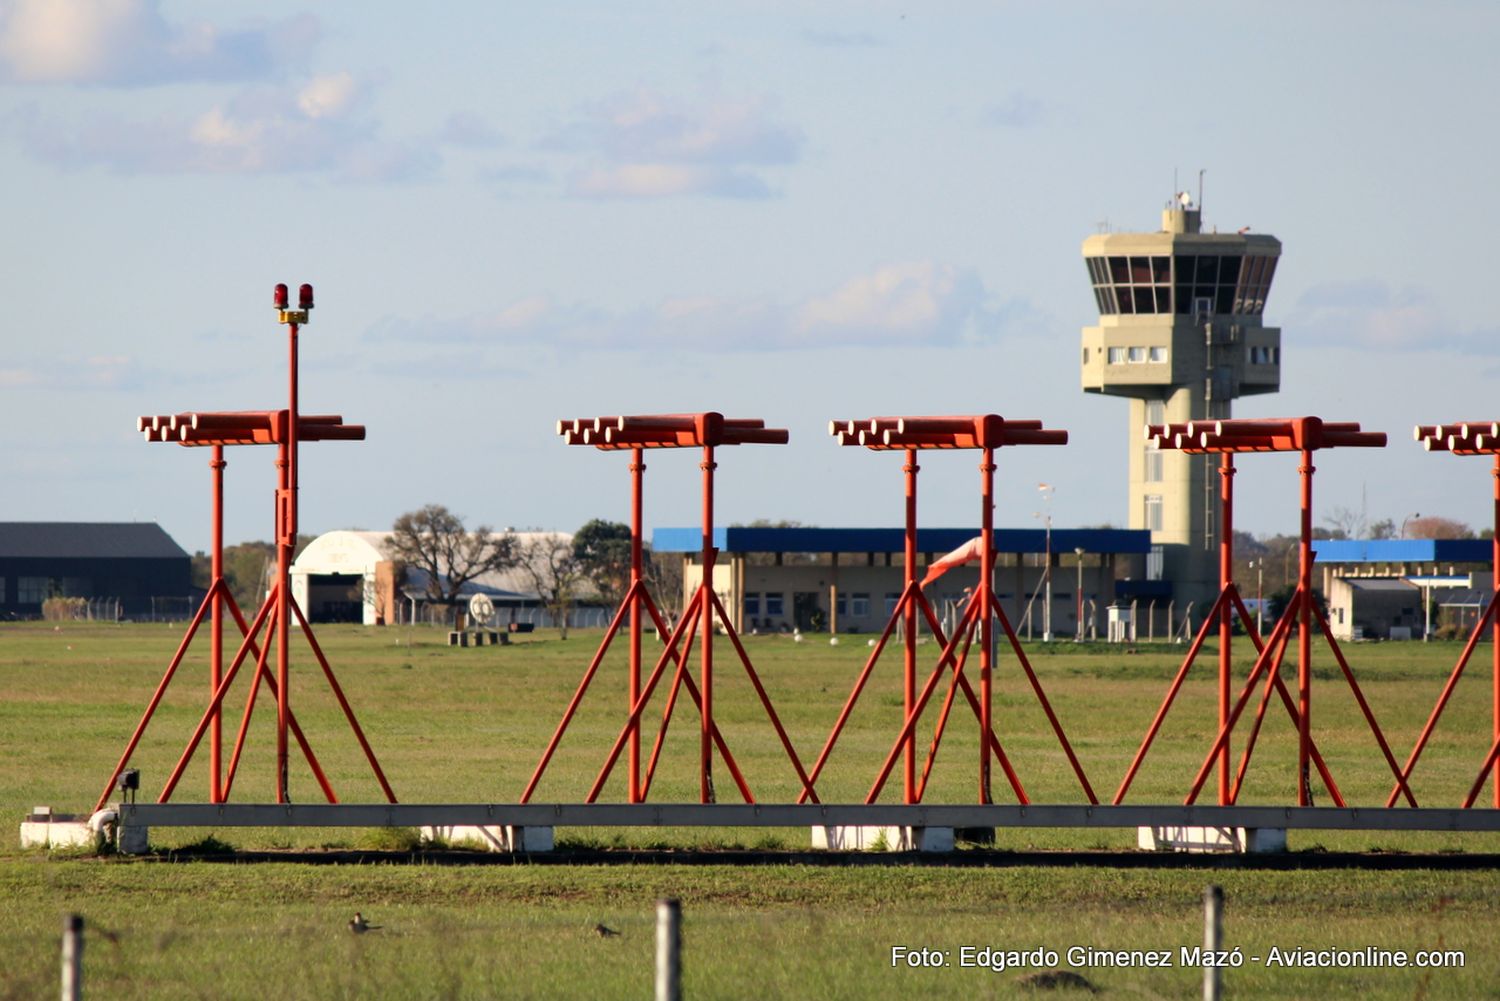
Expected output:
(467, 725)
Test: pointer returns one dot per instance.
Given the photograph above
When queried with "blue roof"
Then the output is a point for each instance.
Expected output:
(893, 540)
(1403, 550)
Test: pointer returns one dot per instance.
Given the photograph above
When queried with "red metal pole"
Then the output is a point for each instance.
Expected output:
(706, 650)
(1041, 697)
(986, 617)
(1304, 635)
(338, 694)
(266, 610)
(1495, 627)
(909, 664)
(859, 687)
(637, 468)
(216, 636)
(1166, 704)
(573, 704)
(156, 697)
(618, 747)
(1226, 613)
(970, 611)
(765, 699)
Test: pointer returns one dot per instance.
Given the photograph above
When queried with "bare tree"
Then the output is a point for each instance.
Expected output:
(555, 573)
(1437, 527)
(434, 541)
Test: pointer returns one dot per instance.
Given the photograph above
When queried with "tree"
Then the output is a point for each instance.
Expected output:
(602, 550)
(555, 574)
(1436, 527)
(434, 541)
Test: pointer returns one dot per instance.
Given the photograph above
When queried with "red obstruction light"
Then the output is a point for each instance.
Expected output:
(305, 297)
(279, 297)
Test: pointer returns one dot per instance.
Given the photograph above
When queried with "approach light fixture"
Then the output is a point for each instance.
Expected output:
(281, 300)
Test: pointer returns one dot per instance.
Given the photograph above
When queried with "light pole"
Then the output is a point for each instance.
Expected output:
(1260, 601)
(1078, 552)
(1046, 492)
(1407, 520)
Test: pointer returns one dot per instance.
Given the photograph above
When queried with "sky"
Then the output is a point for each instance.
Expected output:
(794, 211)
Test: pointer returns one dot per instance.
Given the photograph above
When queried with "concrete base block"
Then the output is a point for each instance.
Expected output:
(44, 829)
(1210, 840)
(887, 838)
(482, 638)
(493, 837)
(134, 840)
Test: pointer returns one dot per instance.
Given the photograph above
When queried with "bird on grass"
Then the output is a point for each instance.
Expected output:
(358, 925)
(604, 931)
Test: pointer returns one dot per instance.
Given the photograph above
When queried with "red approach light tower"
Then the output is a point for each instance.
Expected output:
(635, 434)
(910, 435)
(1469, 438)
(285, 429)
(1303, 435)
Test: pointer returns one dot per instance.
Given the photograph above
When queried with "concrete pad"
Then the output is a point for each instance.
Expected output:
(493, 837)
(883, 838)
(1211, 840)
(44, 829)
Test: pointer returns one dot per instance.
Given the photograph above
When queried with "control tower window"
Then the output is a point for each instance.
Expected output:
(1129, 285)
(1152, 512)
(1233, 283)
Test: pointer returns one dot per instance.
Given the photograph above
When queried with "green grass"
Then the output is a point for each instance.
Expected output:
(467, 725)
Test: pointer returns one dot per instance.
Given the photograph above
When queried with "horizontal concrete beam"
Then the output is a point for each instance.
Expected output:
(799, 815)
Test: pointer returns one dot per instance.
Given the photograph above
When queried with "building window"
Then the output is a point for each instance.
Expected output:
(1153, 466)
(752, 603)
(774, 606)
(1117, 356)
(1137, 355)
(2, 590)
(859, 605)
(891, 597)
(1131, 284)
(1158, 354)
(1152, 512)
(31, 590)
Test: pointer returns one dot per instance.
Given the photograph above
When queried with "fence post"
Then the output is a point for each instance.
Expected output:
(668, 950)
(1213, 942)
(72, 958)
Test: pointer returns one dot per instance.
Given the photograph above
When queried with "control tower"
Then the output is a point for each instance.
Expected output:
(1180, 334)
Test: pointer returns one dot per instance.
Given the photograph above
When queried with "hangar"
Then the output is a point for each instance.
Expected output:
(124, 566)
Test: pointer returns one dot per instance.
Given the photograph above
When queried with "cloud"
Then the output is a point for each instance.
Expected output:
(1015, 111)
(130, 43)
(646, 145)
(1368, 313)
(322, 124)
(842, 39)
(662, 180)
(896, 304)
(89, 372)
(470, 131)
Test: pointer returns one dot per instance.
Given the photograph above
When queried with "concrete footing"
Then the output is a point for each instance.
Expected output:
(481, 638)
(493, 837)
(1212, 840)
(44, 829)
(886, 838)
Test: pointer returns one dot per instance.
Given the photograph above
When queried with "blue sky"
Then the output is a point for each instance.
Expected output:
(515, 213)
